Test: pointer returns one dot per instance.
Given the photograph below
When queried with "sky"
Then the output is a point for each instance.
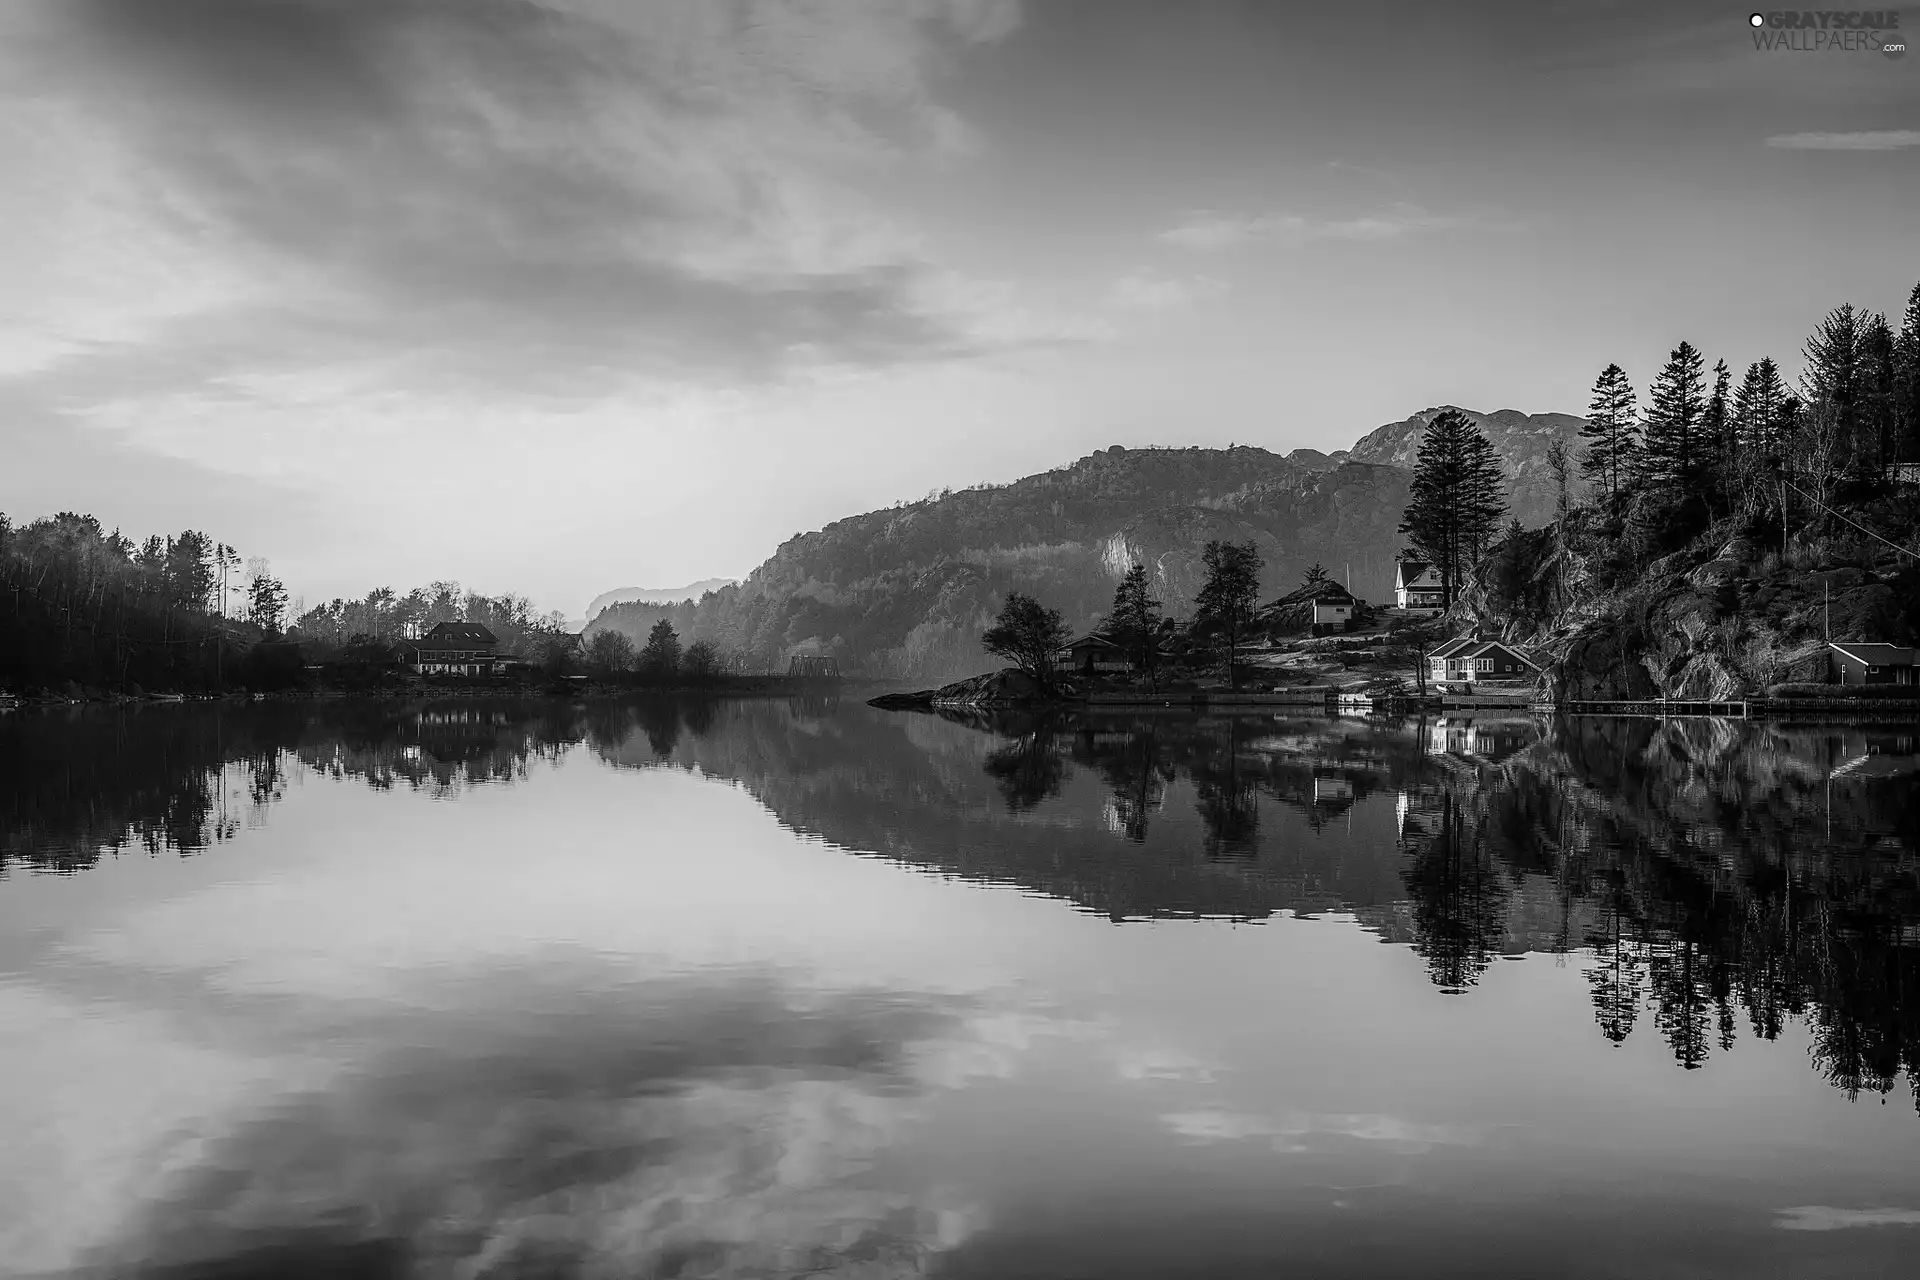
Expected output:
(557, 296)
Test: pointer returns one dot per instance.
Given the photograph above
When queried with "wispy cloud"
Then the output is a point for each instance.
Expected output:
(1152, 291)
(1207, 230)
(1820, 1217)
(1866, 140)
(662, 186)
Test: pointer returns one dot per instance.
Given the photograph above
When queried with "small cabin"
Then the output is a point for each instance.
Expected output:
(1869, 663)
(1333, 605)
(1466, 659)
(1417, 587)
(1094, 654)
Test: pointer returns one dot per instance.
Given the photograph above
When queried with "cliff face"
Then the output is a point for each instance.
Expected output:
(1725, 617)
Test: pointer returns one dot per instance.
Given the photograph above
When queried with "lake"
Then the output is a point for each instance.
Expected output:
(785, 988)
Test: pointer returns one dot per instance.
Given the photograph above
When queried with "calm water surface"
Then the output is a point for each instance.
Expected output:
(766, 989)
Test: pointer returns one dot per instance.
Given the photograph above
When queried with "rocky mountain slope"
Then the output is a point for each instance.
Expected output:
(1521, 440)
(1727, 616)
(906, 591)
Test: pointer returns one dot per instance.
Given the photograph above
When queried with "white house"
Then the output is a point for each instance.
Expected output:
(1465, 659)
(1417, 587)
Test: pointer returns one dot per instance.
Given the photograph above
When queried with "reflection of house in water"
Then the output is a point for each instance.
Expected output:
(456, 733)
(1887, 754)
(1488, 741)
(1332, 790)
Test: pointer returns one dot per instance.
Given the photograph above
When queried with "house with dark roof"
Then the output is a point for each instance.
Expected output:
(1867, 663)
(1466, 659)
(1094, 654)
(1417, 587)
(454, 649)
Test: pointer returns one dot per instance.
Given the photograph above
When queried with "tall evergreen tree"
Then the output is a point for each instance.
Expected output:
(1611, 432)
(1757, 406)
(661, 656)
(1906, 382)
(1718, 427)
(1458, 498)
(1831, 381)
(1134, 622)
(1674, 451)
(1225, 602)
(1879, 410)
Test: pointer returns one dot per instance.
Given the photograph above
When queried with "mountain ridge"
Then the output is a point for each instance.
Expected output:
(905, 591)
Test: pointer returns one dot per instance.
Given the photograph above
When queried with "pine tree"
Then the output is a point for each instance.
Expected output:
(1457, 500)
(1906, 382)
(1879, 412)
(1718, 428)
(1674, 451)
(1830, 385)
(661, 656)
(1757, 407)
(1135, 619)
(1611, 432)
(1225, 602)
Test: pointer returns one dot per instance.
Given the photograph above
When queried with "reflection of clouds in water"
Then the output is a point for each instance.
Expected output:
(1310, 1131)
(1163, 1064)
(1820, 1217)
(710, 1132)
(92, 1112)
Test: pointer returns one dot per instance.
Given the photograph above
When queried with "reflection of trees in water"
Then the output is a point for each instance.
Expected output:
(1029, 769)
(92, 783)
(1724, 873)
(1459, 900)
(1228, 796)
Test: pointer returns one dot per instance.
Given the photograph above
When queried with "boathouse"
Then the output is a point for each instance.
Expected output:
(1865, 663)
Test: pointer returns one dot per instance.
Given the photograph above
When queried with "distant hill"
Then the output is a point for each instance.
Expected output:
(1520, 439)
(656, 595)
(905, 592)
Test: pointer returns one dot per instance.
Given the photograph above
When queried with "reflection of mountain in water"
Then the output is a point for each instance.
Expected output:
(1718, 875)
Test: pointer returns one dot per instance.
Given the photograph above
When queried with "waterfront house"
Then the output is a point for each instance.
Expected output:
(1417, 587)
(1094, 654)
(454, 649)
(1869, 663)
(1465, 659)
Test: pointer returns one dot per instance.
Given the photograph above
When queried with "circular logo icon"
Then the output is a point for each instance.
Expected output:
(1756, 19)
(1894, 44)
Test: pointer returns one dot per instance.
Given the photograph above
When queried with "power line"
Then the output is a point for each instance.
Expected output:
(1862, 528)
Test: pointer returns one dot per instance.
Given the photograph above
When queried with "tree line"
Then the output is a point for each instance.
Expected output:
(1703, 448)
(1031, 635)
(82, 604)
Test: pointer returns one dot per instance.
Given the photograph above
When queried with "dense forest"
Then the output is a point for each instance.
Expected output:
(82, 607)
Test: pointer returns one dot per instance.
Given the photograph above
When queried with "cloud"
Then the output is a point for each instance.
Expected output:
(1151, 291)
(1867, 140)
(1206, 230)
(1820, 1217)
(671, 187)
